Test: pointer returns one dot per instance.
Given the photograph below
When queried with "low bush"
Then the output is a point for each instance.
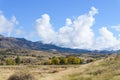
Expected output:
(21, 76)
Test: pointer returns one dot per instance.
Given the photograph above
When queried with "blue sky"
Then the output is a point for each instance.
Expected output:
(27, 12)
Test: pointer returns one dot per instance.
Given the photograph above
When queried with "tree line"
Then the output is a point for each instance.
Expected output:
(65, 60)
(52, 61)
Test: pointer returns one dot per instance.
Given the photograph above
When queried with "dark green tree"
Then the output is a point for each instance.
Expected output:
(17, 60)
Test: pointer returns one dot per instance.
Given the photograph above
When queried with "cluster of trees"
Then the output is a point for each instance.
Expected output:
(52, 61)
(11, 61)
(65, 60)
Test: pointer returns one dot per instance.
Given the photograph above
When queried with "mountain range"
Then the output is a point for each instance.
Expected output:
(22, 43)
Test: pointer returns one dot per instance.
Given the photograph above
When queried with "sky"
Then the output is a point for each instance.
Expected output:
(81, 24)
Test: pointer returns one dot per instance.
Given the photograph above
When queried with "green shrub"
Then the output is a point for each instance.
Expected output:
(17, 60)
(10, 61)
(55, 60)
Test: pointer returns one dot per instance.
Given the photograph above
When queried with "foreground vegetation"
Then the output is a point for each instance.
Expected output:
(39, 72)
(104, 69)
(56, 66)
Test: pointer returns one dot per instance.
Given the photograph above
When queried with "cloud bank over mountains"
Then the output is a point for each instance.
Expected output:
(77, 33)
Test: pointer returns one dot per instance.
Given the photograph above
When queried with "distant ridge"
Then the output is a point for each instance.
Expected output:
(16, 43)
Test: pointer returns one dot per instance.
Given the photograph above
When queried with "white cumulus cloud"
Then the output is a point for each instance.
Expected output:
(6, 26)
(77, 33)
(44, 29)
(107, 40)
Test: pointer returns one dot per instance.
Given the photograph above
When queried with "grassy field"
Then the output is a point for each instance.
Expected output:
(39, 72)
(104, 69)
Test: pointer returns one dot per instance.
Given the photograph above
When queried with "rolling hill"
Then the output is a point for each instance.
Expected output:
(104, 69)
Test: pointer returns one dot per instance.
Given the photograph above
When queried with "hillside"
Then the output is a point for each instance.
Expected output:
(105, 69)
(22, 43)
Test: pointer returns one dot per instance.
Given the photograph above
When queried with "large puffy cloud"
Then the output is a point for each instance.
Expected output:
(77, 33)
(44, 29)
(6, 26)
(107, 40)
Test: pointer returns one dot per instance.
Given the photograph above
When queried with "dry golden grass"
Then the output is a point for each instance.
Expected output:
(105, 69)
(39, 72)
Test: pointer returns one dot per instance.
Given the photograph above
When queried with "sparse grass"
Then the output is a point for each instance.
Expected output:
(105, 69)
(38, 71)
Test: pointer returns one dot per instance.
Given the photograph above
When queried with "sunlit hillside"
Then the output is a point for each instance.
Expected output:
(105, 69)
